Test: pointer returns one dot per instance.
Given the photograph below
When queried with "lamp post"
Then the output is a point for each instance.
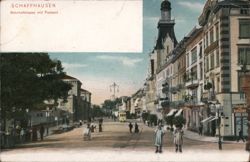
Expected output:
(217, 108)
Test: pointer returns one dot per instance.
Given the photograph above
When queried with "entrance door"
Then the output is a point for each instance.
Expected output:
(241, 123)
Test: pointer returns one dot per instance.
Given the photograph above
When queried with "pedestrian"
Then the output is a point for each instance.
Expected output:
(87, 133)
(22, 135)
(47, 130)
(136, 128)
(159, 139)
(80, 123)
(200, 129)
(100, 124)
(178, 139)
(130, 127)
(240, 137)
(41, 132)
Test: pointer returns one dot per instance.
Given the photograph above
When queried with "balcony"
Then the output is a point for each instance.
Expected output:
(165, 103)
(192, 84)
(165, 90)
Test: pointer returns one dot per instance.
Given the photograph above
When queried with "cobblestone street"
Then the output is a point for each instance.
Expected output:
(116, 138)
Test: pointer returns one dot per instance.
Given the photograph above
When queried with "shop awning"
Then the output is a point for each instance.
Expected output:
(214, 118)
(179, 112)
(171, 112)
(207, 119)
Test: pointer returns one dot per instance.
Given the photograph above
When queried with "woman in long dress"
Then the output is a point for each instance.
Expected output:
(178, 139)
(159, 139)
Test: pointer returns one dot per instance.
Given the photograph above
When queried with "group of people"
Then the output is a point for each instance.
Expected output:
(90, 128)
(136, 130)
(178, 139)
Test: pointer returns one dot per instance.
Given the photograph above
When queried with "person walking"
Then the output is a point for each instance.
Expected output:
(130, 127)
(41, 132)
(200, 129)
(136, 128)
(178, 139)
(22, 135)
(240, 137)
(87, 133)
(159, 139)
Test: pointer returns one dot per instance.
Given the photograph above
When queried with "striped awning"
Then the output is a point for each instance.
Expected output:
(171, 112)
(214, 118)
(179, 112)
(207, 119)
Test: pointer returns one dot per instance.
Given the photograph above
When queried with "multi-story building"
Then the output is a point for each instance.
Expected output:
(226, 36)
(205, 67)
(84, 112)
(166, 42)
(149, 85)
(78, 102)
(137, 102)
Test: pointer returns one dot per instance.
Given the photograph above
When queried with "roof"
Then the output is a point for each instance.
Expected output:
(215, 6)
(165, 5)
(68, 77)
(84, 90)
(165, 29)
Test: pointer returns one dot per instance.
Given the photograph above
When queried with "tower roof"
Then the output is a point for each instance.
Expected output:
(165, 5)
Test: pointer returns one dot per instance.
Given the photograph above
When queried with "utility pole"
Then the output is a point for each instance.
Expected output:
(114, 88)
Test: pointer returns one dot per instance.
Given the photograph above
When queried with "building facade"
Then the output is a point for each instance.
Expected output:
(204, 68)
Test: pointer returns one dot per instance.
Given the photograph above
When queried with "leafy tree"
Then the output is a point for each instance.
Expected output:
(145, 116)
(169, 120)
(152, 118)
(27, 80)
(179, 121)
(97, 111)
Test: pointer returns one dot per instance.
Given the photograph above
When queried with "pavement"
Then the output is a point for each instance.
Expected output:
(116, 144)
(195, 136)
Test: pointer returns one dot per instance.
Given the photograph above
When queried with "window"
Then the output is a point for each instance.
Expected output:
(244, 11)
(206, 42)
(194, 73)
(194, 55)
(201, 71)
(200, 52)
(244, 55)
(194, 95)
(212, 60)
(211, 36)
(187, 60)
(207, 64)
(244, 28)
(218, 85)
(217, 31)
(217, 58)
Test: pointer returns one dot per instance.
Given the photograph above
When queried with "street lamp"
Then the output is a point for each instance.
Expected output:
(218, 109)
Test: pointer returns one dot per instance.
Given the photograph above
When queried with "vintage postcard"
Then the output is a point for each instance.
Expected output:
(125, 80)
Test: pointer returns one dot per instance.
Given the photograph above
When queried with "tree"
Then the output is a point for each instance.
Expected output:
(97, 111)
(27, 80)
(179, 121)
(145, 116)
(152, 118)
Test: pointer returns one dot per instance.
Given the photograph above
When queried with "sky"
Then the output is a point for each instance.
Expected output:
(97, 71)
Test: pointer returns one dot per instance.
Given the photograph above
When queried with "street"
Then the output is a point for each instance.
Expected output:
(116, 141)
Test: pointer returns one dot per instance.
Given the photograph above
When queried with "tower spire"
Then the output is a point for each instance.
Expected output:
(166, 10)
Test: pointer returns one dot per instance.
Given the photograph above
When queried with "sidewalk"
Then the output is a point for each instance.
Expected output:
(195, 136)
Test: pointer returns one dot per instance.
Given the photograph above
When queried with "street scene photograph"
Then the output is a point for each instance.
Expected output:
(184, 98)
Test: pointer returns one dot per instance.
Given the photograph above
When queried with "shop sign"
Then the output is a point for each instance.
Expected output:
(240, 109)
